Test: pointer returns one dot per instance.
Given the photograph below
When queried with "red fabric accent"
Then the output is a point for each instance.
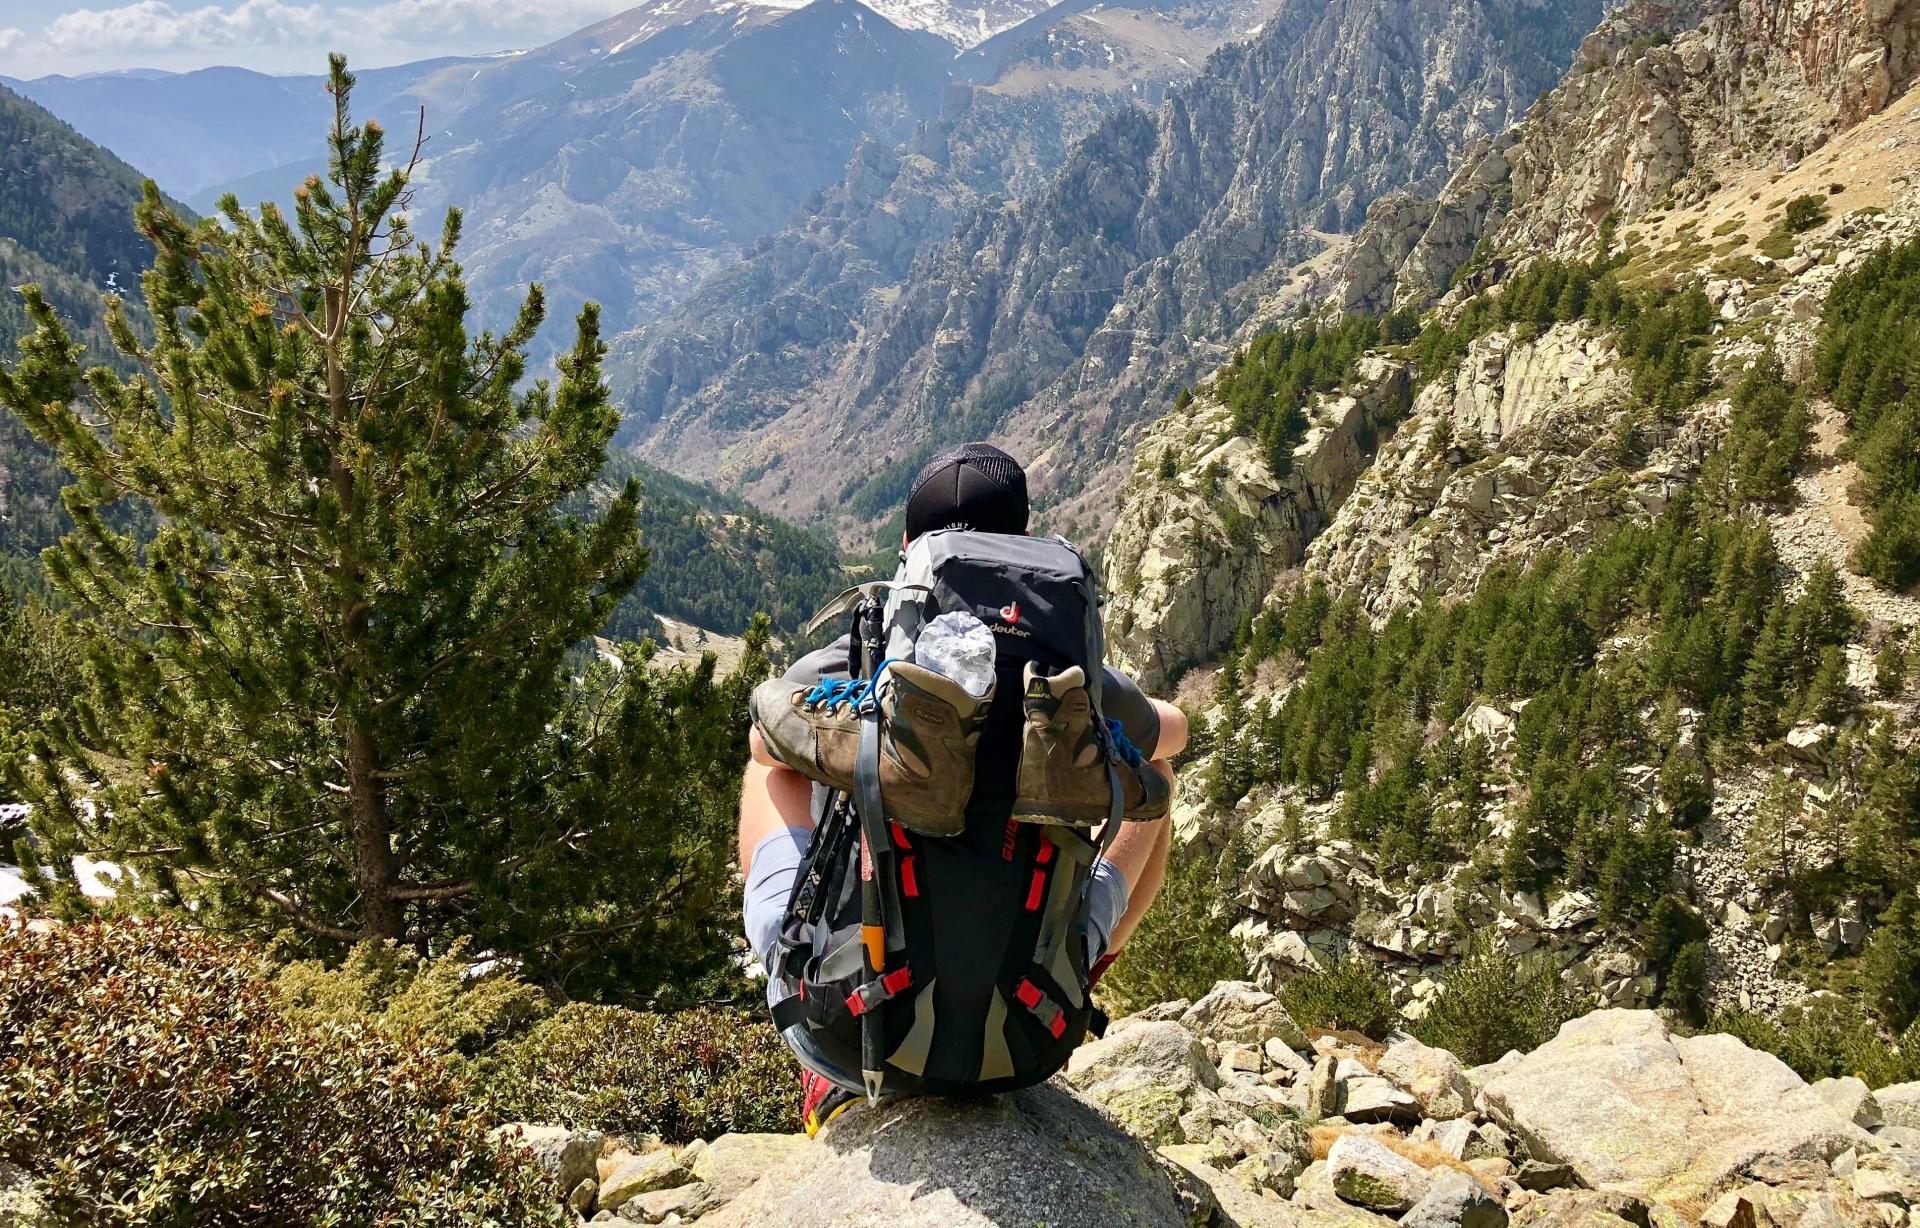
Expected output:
(1011, 840)
(909, 886)
(1106, 961)
(1025, 991)
(1034, 889)
(813, 1089)
(1045, 855)
(897, 980)
(1059, 1025)
(900, 836)
(803, 991)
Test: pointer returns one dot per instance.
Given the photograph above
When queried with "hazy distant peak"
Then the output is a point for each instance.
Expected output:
(962, 23)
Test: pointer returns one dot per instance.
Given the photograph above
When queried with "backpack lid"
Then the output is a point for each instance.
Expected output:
(1036, 594)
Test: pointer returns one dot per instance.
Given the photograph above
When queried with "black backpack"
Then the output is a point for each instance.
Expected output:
(957, 965)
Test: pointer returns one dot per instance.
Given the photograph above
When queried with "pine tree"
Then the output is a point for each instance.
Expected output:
(1890, 965)
(332, 692)
(1885, 843)
(1827, 695)
(1776, 824)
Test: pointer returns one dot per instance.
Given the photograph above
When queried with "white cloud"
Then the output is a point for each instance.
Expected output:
(422, 20)
(286, 35)
(154, 26)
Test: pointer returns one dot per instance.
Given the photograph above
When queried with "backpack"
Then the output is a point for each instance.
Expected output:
(953, 965)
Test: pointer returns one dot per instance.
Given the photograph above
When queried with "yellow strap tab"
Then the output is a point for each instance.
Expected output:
(875, 938)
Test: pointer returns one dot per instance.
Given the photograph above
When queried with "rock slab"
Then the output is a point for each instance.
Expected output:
(1033, 1156)
(1630, 1107)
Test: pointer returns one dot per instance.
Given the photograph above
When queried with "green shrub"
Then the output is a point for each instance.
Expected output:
(150, 1076)
(1804, 213)
(412, 1000)
(1350, 995)
(1494, 1002)
(1182, 946)
(1828, 1037)
(1686, 982)
(1752, 1030)
(693, 1074)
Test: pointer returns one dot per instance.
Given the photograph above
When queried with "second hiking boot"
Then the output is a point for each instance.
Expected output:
(1063, 759)
(929, 726)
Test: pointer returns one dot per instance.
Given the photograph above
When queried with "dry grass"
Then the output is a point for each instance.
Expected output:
(1426, 1155)
(1362, 1049)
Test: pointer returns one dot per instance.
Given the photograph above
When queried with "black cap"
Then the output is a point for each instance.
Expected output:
(974, 486)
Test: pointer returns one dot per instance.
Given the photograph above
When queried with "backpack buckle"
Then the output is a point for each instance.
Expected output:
(878, 991)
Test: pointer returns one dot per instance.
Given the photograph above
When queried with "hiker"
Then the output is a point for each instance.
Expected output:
(955, 815)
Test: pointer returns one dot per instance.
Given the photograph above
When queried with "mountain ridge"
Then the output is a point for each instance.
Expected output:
(996, 319)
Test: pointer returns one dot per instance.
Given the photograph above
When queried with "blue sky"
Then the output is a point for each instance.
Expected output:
(64, 36)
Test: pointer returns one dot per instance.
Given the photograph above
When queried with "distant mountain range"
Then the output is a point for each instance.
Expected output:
(624, 163)
(783, 316)
(66, 225)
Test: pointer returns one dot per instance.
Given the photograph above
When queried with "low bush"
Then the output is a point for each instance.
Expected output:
(1350, 995)
(693, 1074)
(1494, 1002)
(149, 1075)
(436, 1003)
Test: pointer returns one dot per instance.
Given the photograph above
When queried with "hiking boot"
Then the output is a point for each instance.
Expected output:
(929, 726)
(822, 1100)
(1063, 759)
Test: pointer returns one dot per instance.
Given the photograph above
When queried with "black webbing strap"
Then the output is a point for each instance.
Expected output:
(868, 805)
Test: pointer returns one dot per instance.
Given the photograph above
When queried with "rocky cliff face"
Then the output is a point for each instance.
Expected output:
(1667, 102)
(1537, 440)
(1051, 319)
(1195, 551)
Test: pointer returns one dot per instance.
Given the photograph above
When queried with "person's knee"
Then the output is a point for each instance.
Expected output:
(1173, 730)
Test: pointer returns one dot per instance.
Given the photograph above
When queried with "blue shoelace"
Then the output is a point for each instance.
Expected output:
(832, 692)
(1126, 749)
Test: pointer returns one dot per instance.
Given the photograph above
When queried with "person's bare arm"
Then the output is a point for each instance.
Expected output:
(1140, 851)
(771, 797)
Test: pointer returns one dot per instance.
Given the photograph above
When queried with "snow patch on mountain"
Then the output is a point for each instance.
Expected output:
(963, 25)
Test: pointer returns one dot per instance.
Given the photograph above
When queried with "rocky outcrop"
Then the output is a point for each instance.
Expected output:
(1216, 1122)
(1516, 451)
(1193, 552)
(1303, 911)
(1628, 1106)
(1667, 103)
